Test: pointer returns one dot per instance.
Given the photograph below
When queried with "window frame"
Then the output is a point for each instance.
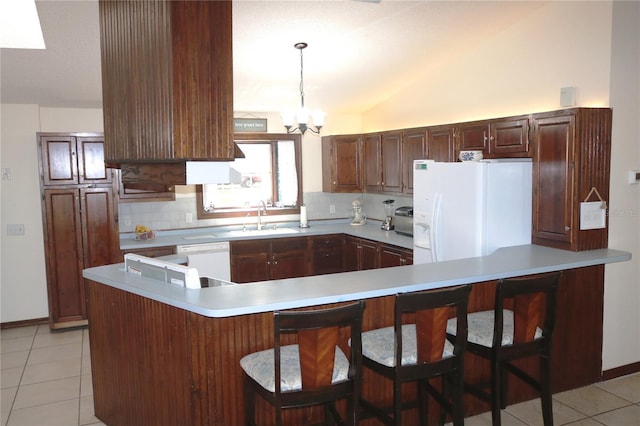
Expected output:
(273, 211)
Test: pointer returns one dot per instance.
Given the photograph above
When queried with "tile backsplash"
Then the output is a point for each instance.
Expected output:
(165, 215)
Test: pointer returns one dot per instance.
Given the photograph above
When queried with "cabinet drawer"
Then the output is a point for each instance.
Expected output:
(249, 247)
(286, 244)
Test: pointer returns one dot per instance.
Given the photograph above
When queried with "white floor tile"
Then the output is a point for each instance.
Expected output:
(6, 399)
(627, 416)
(47, 392)
(57, 338)
(590, 400)
(530, 412)
(45, 371)
(10, 377)
(17, 344)
(12, 333)
(14, 359)
(62, 413)
(627, 387)
(56, 353)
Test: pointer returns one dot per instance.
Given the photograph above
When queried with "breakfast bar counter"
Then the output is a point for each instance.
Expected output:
(164, 354)
(293, 293)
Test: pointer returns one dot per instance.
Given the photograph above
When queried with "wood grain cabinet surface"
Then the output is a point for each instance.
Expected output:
(571, 156)
(269, 259)
(79, 215)
(167, 83)
(342, 163)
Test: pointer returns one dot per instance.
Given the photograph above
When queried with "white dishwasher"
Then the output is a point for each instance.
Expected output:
(210, 259)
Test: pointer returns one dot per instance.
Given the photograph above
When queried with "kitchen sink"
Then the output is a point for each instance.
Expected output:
(265, 231)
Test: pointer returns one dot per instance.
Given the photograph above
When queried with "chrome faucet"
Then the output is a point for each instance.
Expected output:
(264, 207)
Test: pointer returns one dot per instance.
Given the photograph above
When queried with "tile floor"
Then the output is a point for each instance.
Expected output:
(46, 381)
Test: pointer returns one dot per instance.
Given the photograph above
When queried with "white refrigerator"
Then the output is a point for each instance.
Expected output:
(470, 209)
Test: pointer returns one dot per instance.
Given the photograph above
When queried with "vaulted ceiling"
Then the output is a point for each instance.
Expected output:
(360, 51)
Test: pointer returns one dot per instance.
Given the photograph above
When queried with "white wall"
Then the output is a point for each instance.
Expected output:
(622, 281)
(23, 286)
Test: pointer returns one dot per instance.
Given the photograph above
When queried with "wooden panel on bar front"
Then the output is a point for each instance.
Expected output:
(160, 365)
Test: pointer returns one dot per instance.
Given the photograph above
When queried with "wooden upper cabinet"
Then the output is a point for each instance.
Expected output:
(474, 136)
(342, 163)
(73, 160)
(391, 161)
(167, 80)
(441, 143)
(382, 162)
(571, 156)
(503, 137)
(509, 137)
(371, 145)
(414, 145)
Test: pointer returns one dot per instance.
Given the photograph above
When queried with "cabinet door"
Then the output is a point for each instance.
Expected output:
(351, 250)
(368, 255)
(553, 181)
(413, 148)
(64, 256)
(250, 261)
(372, 163)
(99, 230)
(289, 258)
(58, 160)
(441, 143)
(391, 162)
(395, 256)
(91, 167)
(474, 136)
(341, 157)
(327, 254)
(509, 137)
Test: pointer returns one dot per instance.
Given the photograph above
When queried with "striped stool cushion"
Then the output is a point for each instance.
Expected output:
(260, 367)
(379, 346)
(481, 328)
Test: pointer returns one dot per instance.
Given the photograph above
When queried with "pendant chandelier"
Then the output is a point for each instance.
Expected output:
(302, 115)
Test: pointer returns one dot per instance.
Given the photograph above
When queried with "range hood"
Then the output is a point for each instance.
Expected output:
(203, 172)
(167, 84)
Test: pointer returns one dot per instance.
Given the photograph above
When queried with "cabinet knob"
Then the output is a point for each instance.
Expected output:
(567, 228)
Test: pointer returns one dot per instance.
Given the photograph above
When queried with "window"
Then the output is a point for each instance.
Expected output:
(270, 173)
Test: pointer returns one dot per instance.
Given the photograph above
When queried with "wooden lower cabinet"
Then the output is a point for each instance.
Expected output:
(327, 254)
(80, 232)
(157, 364)
(395, 256)
(269, 259)
(360, 254)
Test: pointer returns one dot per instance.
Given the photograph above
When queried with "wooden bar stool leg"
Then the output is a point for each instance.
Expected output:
(496, 391)
(545, 390)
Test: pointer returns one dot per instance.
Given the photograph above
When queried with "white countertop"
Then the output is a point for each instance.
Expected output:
(370, 231)
(348, 286)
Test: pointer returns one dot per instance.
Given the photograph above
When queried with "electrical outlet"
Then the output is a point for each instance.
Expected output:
(332, 208)
(127, 221)
(15, 229)
(188, 217)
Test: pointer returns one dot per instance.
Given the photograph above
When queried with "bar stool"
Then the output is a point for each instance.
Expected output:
(424, 352)
(523, 331)
(312, 371)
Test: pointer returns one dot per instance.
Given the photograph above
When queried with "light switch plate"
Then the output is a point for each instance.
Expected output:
(15, 229)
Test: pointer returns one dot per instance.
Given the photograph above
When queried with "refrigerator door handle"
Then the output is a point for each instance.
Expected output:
(434, 235)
